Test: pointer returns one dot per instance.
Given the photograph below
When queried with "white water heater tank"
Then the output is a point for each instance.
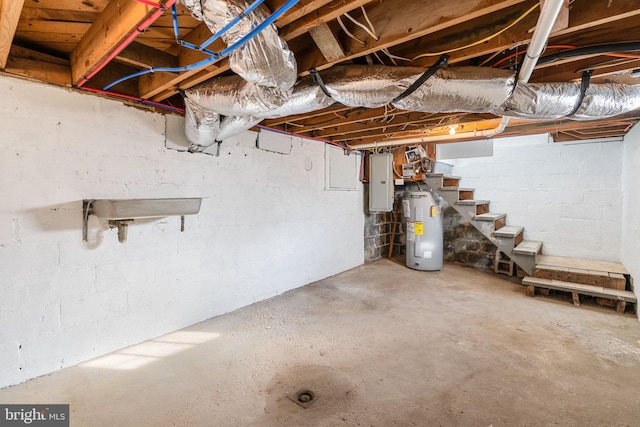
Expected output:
(425, 236)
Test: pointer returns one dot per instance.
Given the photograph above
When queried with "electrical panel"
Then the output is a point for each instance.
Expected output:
(381, 185)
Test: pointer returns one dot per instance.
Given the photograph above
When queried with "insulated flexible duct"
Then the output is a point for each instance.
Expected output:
(460, 89)
(266, 59)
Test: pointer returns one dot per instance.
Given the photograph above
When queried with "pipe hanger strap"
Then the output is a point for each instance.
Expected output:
(584, 85)
(441, 63)
(318, 80)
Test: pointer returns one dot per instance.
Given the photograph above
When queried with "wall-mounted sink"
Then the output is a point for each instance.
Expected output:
(120, 212)
(115, 209)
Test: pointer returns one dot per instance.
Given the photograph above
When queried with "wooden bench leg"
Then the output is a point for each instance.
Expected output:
(621, 306)
(531, 291)
(576, 299)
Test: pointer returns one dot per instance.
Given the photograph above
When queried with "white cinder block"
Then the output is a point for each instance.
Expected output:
(558, 192)
(266, 226)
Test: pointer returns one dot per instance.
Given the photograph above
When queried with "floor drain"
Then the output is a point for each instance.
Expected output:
(304, 398)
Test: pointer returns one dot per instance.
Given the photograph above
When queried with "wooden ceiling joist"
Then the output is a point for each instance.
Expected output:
(9, 16)
(327, 42)
(116, 22)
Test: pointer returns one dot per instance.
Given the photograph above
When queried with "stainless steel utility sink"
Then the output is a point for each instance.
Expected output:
(120, 212)
(115, 209)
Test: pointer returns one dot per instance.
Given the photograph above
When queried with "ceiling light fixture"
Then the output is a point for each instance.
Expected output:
(452, 130)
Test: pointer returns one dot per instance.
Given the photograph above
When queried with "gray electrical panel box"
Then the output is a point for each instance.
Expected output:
(381, 182)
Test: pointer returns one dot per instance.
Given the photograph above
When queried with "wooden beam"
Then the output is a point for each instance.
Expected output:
(118, 20)
(325, 14)
(143, 56)
(304, 7)
(161, 83)
(299, 27)
(73, 5)
(327, 42)
(9, 16)
(408, 22)
(39, 66)
(338, 108)
(45, 72)
(591, 16)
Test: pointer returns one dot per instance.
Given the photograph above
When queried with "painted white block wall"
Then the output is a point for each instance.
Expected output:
(631, 207)
(266, 226)
(568, 195)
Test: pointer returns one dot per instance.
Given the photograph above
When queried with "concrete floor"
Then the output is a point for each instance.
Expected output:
(380, 345)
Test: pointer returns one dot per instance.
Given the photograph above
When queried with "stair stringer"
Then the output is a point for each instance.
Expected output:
(506, 245)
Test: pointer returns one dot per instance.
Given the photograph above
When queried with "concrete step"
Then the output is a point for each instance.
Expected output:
(481, 206)
(496, 220)
(437, 181)
(509, 231)
(490, 217)
(622, 297)
(450, 181)
(456, 193)
(528, 247)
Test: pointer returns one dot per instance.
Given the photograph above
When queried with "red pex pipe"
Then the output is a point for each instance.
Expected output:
(284, 132)
(147, 22)
(135, 98)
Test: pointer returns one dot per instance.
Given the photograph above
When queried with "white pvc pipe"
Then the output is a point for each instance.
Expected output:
(546, 20)
(548, 16)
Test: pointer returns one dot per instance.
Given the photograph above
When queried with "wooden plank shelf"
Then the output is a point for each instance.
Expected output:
(620, 296)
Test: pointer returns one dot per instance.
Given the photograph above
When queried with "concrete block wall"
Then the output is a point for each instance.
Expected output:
(569, 195)
(464, 244)
(377, 231)
(631, 206)
(267, 225)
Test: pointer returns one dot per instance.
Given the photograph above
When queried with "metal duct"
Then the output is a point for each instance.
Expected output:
(201, 126)
(550, 101)
(460, 89)
(306, 97)
(265, 59)
(368, 86)
(234, 96)
(233, 125)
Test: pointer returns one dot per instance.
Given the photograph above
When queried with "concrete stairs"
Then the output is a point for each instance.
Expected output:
(512, 250)
(607, 282)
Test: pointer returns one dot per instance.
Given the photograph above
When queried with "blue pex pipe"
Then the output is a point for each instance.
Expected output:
(215, 56)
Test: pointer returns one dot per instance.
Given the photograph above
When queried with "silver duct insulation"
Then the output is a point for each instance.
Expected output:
(550, 101)
(266, 59)
(368, 86)
(306, 97)
(201, 126)
(233, 125)
(459, 89)
(233, 96)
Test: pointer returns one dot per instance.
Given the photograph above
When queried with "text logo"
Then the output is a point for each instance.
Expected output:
(34, 415)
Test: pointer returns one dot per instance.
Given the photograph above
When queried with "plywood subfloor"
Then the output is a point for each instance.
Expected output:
(380, 345)
(582, 264)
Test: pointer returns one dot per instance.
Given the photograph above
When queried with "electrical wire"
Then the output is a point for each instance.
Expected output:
(361, 25)
(348, 33)
(496, 34)
(390, 55)
(295, 125)
(379, 59)
(366, 17)
(513, 55)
